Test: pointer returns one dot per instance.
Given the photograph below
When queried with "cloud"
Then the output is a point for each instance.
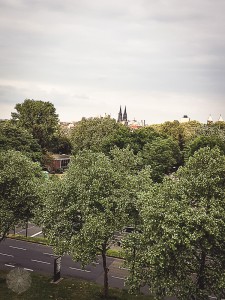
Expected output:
(112, 52)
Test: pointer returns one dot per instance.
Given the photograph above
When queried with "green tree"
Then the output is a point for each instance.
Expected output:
(19, 183)
(84, 210)
(202, 141)
(181, 251)
(163, 155)
(16, 138)
(99, 135)
(39, 118)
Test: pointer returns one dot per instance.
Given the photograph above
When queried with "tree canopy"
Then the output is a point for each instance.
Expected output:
(92, 201)
(39, 118)
(17, 138)
(181, 250)
(19, 182)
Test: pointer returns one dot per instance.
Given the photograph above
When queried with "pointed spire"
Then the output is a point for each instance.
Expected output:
(120, 115)
(220, 119)
(210, 120)
(125, 115)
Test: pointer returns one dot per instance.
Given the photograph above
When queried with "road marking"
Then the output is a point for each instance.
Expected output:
(118, 277)
(80, 270)
(95, 263)
(33, 235)
(40, 261)
(17, 248)
(9, 266)
(6, 254)
(28, 269)
(49, 254)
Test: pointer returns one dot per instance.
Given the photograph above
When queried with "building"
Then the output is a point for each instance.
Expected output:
(58, 163)
(185, 119)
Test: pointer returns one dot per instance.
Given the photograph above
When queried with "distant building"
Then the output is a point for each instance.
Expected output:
(210, 120)
(122, 118)
(58, 162)
(220, 119)
(132, 124)
(185, 119)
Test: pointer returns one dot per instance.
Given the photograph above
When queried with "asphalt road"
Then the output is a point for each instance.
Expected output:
(40, 258)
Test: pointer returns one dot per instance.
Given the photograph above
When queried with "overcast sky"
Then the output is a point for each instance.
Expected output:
(160, 58)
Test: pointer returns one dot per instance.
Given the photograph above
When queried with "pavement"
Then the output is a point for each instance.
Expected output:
(40, 258)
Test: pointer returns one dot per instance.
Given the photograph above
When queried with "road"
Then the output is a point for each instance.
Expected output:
(40, 258)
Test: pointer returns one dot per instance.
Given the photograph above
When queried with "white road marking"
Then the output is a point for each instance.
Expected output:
(6, 254)
(118, 277)
(28, 269)
(80, 270)
(40, 261)
(17, 248)
(24, 229)
(9, 266)
(49, 254)
(33, 235)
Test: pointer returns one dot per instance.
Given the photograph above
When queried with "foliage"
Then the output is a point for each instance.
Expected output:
(90, 203)
(181, 250)
(16, 138)
(202, 141)
(181, 132)
(39, 118)
(19, 183)
(163, 155)
(99, 135)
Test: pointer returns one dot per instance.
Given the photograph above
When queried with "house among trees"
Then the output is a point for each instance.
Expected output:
(58, 163)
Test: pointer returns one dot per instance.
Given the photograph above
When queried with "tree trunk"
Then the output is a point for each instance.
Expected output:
(201, 275)
(106, 270)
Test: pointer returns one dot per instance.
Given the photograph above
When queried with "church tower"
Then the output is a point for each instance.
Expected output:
(125, 115)
(120, 117)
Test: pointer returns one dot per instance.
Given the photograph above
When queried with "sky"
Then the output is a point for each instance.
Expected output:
(160, 58)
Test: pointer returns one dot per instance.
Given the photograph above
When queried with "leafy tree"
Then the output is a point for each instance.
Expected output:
(19, 182)
(39, 118)
(142, 136)
(99, 135)
(163, 155)
(16, 138)
(181, 251)
(202, 141)
(84, 210)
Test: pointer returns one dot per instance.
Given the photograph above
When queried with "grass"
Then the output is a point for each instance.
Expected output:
(68, 289)
(41, 240)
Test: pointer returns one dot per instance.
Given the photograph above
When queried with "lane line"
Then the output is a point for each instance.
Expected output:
(36, 233)
(28, 269)
(11, 266)
(50, 254)
(19, 248)
(40, 261)
(118, 277)
(80, 270)
(6, 254)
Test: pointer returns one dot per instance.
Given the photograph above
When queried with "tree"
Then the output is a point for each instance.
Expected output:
(16, 138)
(19, 182)
(99, 135)
(202, 141)
(163, 155)
(181, 251)
(39, 118)
(85, 209)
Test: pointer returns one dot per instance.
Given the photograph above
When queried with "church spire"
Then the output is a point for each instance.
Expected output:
(125, 115)
(120, 115)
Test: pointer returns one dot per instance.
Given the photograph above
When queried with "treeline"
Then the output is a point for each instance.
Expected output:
(166, 180)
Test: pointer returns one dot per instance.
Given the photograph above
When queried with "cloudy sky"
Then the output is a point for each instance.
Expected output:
(160, 58)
